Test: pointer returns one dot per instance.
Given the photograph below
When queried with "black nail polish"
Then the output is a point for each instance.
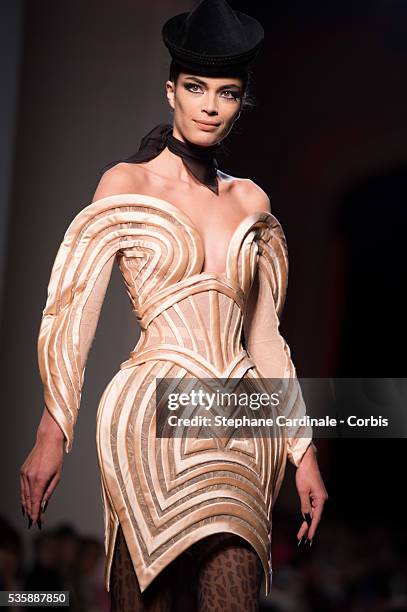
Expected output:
(39, 523)
(45, 506)
(299, 542)
(29, 522)
(22, 510)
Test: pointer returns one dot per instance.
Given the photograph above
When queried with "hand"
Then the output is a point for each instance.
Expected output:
(40, 474)
(312, 493)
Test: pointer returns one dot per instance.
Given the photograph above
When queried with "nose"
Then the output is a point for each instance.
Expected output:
(210, 104)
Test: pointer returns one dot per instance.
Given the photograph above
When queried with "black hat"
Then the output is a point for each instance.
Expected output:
(213, 38)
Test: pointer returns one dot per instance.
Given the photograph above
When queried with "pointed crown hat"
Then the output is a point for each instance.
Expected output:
(213, 38)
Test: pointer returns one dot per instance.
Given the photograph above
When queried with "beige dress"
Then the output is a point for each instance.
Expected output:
(167, 495)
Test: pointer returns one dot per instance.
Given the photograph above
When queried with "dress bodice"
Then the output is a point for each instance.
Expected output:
(161, 257)
(164, 251)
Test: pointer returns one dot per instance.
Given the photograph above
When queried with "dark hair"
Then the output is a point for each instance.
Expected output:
(243, 73)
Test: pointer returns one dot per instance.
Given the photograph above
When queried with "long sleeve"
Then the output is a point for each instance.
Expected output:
(76, 291)
(263, 340)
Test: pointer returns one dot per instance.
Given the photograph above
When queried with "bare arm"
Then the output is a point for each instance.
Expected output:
(49, 428)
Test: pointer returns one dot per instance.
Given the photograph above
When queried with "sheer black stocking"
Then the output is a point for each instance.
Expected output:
(125, 591)
(221, 573)
(229, 575)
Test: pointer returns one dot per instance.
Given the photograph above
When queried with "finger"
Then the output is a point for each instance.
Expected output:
(41, 513)
(306, 507)
(35, 495)
(48, 493)
(306, 511)
(318, 509)
(40, 486)
(27, 494)
(303, 531)
(22, 494)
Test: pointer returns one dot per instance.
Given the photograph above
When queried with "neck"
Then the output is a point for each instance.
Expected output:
(174, 168)
(199, 160)
(177, 134)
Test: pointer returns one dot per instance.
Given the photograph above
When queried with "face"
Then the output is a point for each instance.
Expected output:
(205, 108)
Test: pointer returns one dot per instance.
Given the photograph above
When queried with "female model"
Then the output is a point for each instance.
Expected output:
(205, 266)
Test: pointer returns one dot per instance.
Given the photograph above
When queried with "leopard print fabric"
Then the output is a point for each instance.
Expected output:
(221, 573)
(125, 592)
(229, 575)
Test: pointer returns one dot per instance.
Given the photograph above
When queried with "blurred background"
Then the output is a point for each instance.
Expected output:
(82, 82)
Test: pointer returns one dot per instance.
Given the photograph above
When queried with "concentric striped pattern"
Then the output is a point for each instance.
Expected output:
(167, 493)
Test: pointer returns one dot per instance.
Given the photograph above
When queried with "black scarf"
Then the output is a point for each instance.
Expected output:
(201, 161)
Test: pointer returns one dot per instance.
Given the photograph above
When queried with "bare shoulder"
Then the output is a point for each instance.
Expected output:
(251, 196)
(254, 197)
(117, 180)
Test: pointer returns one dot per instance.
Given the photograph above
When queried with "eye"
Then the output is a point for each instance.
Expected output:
(234, 95)
(189, 87)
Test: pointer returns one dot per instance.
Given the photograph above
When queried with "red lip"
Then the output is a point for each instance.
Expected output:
(207, 123)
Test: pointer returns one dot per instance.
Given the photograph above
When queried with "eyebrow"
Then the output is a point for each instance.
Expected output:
(227, 86)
